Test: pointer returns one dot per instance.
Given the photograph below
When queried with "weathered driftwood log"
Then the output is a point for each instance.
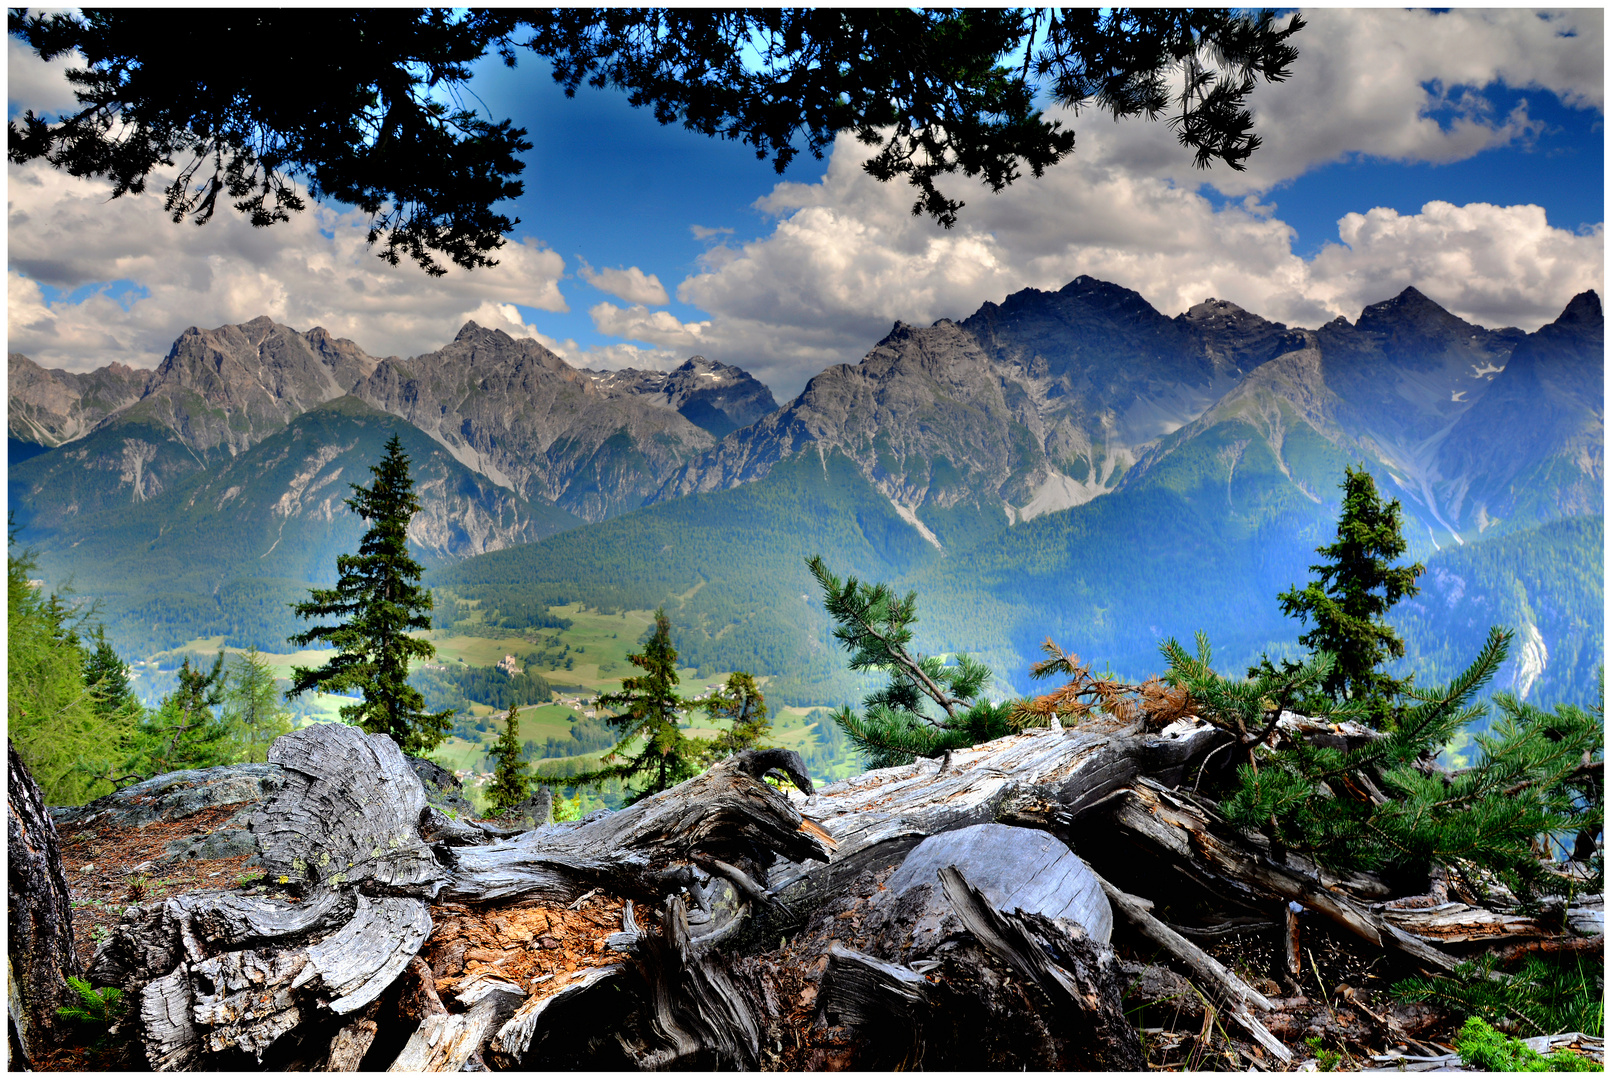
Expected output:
(39, 922)
(1238, 867)
(1041, 779)
(224, 978)
(937, 915)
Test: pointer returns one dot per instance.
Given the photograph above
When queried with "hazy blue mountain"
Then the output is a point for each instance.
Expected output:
(1031, 406)
(1530, 448)
(1222, 508)
(524, 418)
(1067, 463)
(226, 549)
(717, 397)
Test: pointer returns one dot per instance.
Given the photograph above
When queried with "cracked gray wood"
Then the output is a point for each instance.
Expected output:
(724, 814)
(349, 812)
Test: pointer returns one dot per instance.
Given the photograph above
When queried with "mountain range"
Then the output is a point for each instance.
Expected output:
(1072, 462)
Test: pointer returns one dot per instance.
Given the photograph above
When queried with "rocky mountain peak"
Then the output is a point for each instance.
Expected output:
(717, 397)
(1412, 313)
(1583, 310)
(1234, 337)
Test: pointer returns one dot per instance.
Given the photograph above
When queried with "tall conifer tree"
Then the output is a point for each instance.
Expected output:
(649, 744)
(510, 782)
(1357, 585)
(376, 602)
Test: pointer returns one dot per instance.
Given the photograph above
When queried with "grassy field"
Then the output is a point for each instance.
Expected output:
(598, 645)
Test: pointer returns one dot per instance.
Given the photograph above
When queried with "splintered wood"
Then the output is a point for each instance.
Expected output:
(535, 946)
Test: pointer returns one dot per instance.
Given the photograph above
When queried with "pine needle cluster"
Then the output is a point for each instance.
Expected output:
(1541, 997)
(1387, 806)
(895, 726)
(1151, 702)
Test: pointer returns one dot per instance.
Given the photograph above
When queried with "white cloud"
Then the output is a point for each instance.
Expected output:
(640, 324)
(1494, 265)
(32, 83)
(65, 233)
(630, 284)
(1376, 83)
(847, 259)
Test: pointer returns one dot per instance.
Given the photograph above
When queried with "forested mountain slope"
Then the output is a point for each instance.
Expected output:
(225, 550)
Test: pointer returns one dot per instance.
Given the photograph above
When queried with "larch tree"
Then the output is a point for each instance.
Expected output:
(72, 744)
(254, 711)
(368, 616)
(1357, 582)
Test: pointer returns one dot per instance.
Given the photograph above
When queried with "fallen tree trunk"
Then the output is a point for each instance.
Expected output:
(940, 915)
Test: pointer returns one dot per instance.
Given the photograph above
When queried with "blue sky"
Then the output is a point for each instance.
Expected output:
(1460, 152)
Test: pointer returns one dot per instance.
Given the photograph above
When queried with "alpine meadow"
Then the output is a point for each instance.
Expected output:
(806, 539)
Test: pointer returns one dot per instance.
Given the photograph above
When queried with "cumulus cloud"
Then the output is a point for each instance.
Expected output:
(313, 270)
(640, 324)
(1392, 84)
(846, 259)
(630, 284)
(1494, 265)
(32, 83)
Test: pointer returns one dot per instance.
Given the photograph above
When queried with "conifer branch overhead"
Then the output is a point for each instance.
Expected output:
(376, 118)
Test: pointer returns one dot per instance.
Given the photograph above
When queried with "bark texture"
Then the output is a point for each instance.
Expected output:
(39, 944)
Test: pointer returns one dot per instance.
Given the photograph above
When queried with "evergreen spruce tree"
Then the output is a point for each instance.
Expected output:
(510, 783)
(184, 732)
(874, 625)
(254, 712)
(376, 602)
(1384, 806)
(649, 746)
(107, 677)
(1357, 585)
(741, 705)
